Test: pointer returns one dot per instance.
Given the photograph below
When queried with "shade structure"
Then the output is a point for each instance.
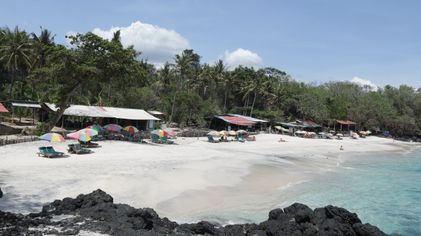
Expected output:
(81, 136)
(131, 129)
(161, 133)
(113, 127)
(171, 132)
(223, 133)
(52, 137)
(214, 133)
(241, 131)
(96, 127)
(90, 132)
(232, 133)
(3, 108)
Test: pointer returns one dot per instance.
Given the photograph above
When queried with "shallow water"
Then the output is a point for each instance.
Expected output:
(384, 190)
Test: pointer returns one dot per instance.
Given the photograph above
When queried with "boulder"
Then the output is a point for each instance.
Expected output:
(1, 193)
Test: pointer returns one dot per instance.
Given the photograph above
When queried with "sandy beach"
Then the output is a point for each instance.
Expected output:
(185, 181)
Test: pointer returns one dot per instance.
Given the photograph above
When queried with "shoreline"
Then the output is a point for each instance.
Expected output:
(192, 177)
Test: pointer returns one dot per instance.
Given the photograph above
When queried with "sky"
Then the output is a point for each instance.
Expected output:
(375, 42)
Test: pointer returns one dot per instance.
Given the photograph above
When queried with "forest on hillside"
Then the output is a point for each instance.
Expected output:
(96, 71)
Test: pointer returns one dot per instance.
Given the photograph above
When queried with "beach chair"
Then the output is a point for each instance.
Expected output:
(241, 139)
(212, 140)
(49, 152)
(166, 140)
(78, 149)
(155, 139)
(89, 144)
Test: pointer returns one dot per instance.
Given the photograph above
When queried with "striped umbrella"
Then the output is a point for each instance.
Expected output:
(113, 128)
(52, 137)
(81, 136)
(160, 133)
(90, 132)
(171, 132)
(131, 129)
(96, 127)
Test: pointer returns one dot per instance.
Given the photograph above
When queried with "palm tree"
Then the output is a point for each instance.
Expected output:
(15, 53)
(41, 45)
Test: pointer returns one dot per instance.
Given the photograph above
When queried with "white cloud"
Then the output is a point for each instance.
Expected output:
(158, 45)
(242, 57)
(364, 83)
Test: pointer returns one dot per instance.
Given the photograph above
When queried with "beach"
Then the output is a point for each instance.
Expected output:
(190, 180)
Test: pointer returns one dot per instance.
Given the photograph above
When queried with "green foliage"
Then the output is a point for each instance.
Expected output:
(97, 71)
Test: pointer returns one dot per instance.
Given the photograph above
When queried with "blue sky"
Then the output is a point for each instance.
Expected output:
(313, 40)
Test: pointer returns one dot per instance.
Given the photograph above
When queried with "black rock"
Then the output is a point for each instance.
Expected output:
(96, 212)
(1, 193)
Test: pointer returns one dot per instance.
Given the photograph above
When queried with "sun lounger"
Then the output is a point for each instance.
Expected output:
(166, 140)
(241, 139)
(212, 140)
(155, 139)
(78, 149)
(89, 144)
(49, 152)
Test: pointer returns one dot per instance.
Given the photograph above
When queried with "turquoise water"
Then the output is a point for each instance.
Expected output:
(384, 190)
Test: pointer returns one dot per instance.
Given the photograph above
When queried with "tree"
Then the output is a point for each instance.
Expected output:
(15, 54)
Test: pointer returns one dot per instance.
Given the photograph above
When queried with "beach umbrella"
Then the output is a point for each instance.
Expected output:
(131, 129)
(214, 133)
(232, 133)
(90, 132)
(52, 137)
(96, 127)
(81, 136)
(113, 128)
(160, 133)
(241, 131)
(223, 133)
(171, 132)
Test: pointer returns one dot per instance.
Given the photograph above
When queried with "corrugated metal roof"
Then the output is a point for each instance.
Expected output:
(237, 120)
(345, 122)
(29, 105)
(250, 118)
(105, 112)
(3, 108)
(155, 113)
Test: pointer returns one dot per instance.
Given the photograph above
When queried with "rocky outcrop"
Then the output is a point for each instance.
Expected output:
(96, 212)
(1, 193)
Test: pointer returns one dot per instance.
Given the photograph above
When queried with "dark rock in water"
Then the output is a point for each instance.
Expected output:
(96, 212)
(1, 193)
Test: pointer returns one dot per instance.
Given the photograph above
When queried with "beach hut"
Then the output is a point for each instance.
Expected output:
(3, 108)
(345, 126)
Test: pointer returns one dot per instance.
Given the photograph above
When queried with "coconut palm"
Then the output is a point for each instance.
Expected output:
(15, 53)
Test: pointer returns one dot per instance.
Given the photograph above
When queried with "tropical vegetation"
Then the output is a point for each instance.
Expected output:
(96, 71)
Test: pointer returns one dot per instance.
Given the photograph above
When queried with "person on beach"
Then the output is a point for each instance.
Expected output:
(341, 148)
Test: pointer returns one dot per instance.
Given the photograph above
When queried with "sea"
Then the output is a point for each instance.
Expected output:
(384, 189)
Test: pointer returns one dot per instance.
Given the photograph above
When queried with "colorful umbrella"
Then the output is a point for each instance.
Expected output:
(171, 132)
(96, 127)
(113, 127)
(131, 129)
(52, 137)
(90, 132)
(160, 133)
(241, 131)
(81, 136)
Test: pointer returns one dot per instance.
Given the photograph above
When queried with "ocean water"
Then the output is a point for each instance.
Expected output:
(383, 189)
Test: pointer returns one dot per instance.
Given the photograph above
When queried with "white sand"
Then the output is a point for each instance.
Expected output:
(184, 181)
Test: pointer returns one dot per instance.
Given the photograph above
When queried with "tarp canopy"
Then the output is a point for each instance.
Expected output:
(3, 108)
(105, 112)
